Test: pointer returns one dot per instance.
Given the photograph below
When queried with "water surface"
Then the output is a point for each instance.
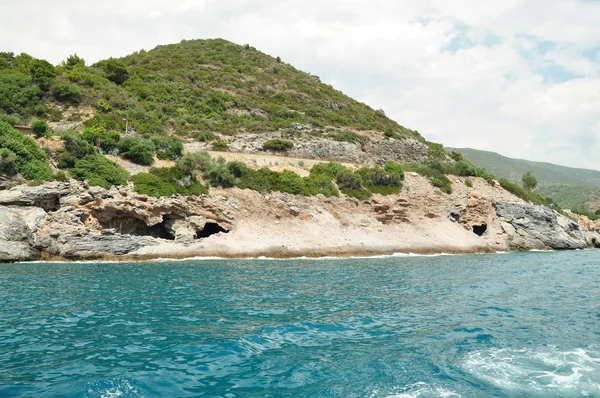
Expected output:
(519, 324)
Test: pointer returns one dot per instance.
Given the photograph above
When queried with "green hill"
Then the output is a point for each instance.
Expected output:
(186, 89)
(570, 187)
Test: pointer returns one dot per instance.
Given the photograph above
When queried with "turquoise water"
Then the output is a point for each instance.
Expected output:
(519, 324)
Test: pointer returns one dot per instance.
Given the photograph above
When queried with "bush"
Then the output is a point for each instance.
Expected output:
(138, 150)
(351, 184)
(191, 162)
(98, 171)
(204, 136)
(219, 146)
(8, 162)
(41, 128)
(77, 146)
(523, 193)
(349, 136)
(331, 169)
(61, 176)
(381, 181)
(278, 145)
(468, 182)
(167, 148)
(218, 175)
(115, 70)
(31, 161)
(66, 92)
(457, 156)
(166, 182)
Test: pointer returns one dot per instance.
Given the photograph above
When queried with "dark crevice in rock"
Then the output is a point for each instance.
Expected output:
(209, 229)
(156, 231)
(479, 230)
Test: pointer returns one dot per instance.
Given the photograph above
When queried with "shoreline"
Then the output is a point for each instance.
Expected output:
(122, 259)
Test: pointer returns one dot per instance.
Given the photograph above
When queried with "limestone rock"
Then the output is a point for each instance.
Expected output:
(538, 227)
(16, 237)
(46, 196)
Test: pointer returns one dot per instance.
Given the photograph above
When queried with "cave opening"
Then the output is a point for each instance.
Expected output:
(155, 231)
(479, 230)
(211, 228)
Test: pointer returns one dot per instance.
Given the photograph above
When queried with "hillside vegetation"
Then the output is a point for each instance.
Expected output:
(569, 187)
(193, 88)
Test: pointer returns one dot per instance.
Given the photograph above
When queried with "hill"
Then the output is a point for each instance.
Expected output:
(186, 89)
(569, 187)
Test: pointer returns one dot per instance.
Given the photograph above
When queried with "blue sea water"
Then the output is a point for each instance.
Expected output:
(518, 324)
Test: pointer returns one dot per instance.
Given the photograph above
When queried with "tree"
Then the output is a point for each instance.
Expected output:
(115, 70)
(41, 128)
(529, 181)
(42, 73)
(74, 60)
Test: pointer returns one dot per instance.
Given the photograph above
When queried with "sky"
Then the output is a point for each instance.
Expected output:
(517, 77)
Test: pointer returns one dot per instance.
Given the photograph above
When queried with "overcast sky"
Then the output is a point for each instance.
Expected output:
(518, 77)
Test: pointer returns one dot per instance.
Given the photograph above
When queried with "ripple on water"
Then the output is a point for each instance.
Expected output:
(545, 371)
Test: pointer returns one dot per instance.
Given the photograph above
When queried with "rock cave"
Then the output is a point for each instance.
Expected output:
(479, 230)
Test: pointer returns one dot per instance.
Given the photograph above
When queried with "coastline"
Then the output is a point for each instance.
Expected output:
(71, 222)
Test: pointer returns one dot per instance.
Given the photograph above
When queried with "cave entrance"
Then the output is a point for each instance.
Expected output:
(155, 231)
(479, 230)
(211, 228)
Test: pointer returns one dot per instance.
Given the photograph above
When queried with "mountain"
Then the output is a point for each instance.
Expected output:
(185, 89)
(570, 187)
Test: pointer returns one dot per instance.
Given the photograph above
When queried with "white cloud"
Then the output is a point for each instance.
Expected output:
(505, 95)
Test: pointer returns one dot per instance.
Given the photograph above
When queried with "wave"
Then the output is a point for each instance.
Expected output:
(424, 390)
(547, 371)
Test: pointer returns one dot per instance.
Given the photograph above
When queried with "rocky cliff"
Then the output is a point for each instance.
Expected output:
(71, 221)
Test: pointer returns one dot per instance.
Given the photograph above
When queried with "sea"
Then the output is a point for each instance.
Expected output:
(493, 325)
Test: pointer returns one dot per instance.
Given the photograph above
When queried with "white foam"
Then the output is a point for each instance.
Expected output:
(547, 369)
(424, 390)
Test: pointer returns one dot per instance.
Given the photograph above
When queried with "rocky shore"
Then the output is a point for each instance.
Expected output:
(58, 221)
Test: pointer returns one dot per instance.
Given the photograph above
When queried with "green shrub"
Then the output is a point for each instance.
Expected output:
(331, 169)
(381, 181)
(351, 184)
(61, 176)
(204, 136)
(31, 161)
(166, 182)
(98, 171)
(115, 70)
(41, 128)
(167, 148)
(468, 182)
(66, 92)
(138, 150)
(219, 146)
(8, 162)
(191, 162)
(78, 146)
(436, 151)
(218, 175)
(349, 136)
(277, 145)
(523, 193)
(457, 156)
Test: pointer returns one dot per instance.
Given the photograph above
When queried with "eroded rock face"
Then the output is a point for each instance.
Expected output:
(536, 227)
(46, 196)
(16, 238)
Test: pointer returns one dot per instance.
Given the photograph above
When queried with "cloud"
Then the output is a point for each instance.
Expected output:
(517, 77)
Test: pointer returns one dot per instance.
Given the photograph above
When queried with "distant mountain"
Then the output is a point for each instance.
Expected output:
(570, 187)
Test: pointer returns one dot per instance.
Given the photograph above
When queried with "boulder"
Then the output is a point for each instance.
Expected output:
(46, 196)
(15, 237)
(537, 227)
